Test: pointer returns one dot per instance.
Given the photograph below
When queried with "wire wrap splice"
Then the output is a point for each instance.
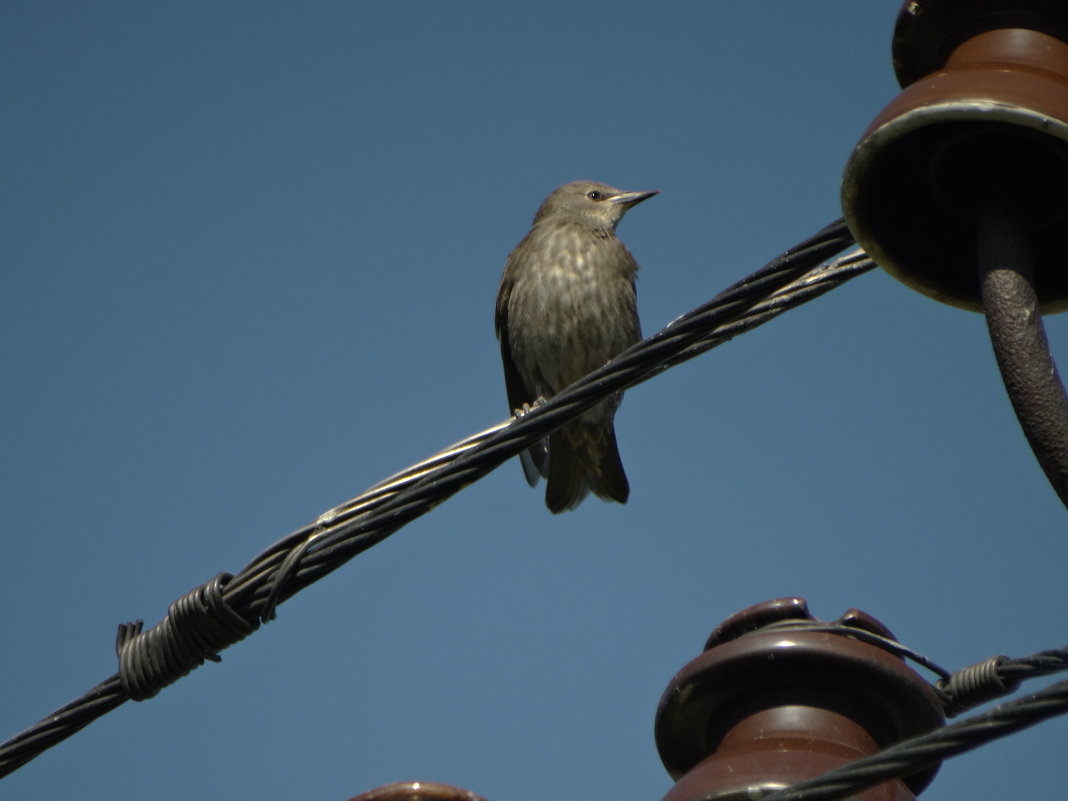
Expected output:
(297, 560)
(975, 685)
(197, 626)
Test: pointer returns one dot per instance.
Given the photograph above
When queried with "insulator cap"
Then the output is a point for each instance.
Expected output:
(417, 791)
(778, 697)
(984, 110)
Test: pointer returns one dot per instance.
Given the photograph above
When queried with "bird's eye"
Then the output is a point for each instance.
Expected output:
(593, 194)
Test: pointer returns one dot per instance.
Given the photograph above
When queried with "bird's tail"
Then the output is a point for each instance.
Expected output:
(610, 482)
(584, 457)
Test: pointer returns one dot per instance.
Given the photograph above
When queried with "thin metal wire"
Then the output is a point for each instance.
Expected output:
(918, 753)
(311, 552)
(1040, 664)
(995, 677)
(355, 529)
(863, 635)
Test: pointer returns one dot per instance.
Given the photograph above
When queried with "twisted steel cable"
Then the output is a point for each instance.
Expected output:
(917, 753)
(797, 276)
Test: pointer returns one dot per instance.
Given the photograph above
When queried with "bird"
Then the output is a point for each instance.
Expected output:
(567, 305)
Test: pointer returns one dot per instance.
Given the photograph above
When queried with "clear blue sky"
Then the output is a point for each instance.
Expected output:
(250, 253)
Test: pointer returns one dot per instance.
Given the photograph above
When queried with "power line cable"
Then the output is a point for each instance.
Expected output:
(228, 608)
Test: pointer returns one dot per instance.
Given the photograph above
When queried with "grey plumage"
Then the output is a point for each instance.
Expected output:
(566, 306)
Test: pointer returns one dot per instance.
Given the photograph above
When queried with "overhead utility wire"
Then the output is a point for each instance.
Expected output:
(228, 608)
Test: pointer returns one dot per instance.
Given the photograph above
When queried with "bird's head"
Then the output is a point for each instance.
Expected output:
(591, 203)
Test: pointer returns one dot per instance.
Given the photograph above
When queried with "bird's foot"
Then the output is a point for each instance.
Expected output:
(527, 408)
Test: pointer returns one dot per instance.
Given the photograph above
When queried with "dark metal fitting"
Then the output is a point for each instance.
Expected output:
(769, 704)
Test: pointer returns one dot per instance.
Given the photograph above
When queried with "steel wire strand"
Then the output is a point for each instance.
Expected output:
(807, 287)
(1041, 664)
(342, 523)
(792, 293)
(916, 754)
(995, 677)
(960, 690)
(795, 277)
(683, 339)
(61, 724)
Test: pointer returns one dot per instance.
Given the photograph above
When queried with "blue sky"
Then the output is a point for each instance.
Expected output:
(250, 255)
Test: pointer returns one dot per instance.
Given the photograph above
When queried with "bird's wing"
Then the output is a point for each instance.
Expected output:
(534, 459)
(518, 392)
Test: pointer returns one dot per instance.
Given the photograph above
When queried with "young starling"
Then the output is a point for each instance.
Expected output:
(565, 307)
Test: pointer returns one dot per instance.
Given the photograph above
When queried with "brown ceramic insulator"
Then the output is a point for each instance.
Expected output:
(984, 113)
(769, 704)
(417, 791)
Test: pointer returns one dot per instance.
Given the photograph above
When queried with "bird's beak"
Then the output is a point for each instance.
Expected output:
(628, 199)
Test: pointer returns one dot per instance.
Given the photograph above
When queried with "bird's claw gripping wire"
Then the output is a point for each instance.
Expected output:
(527, 408)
